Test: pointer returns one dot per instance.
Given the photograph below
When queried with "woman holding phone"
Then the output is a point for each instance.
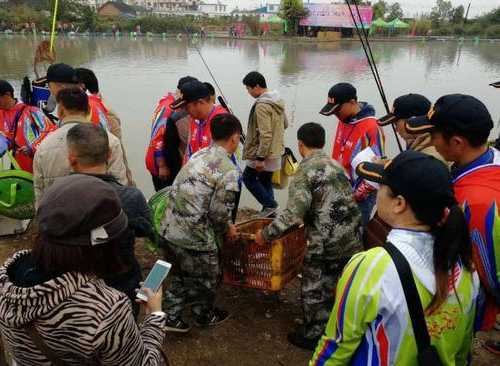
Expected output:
(54, 305)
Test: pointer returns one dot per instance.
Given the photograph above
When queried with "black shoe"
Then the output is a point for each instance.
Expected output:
(177, 326)
(212, 318)
(299, 340)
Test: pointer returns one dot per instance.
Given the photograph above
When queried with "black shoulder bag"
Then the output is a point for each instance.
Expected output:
(427, 354)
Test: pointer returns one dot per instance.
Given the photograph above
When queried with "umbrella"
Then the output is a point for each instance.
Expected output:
(398, 24)
(380, 23)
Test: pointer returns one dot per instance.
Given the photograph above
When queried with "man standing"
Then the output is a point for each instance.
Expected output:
(357, 129)
(197, 218)
(88, 153)
(264, 144)
(169, 137)
(22, 127)
(62, 76)
(200, 106)
(50, 159)
(460, 126)
(320, 196)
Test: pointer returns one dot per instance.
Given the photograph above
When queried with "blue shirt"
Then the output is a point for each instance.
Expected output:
(486, 158)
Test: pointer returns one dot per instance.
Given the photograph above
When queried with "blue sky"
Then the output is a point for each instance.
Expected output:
(410, 7)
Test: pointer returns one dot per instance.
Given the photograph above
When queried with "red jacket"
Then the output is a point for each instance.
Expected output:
(159, 123)
(200, 135)
(98, 112)
(477, 189)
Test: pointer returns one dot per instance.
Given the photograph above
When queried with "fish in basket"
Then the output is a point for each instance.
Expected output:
(268, 267)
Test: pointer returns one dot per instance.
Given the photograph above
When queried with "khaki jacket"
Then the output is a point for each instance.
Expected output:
(423, 143)
(51, 158)
(115, 126)
(266, 128)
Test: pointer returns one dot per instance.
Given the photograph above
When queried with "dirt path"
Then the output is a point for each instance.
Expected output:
(255, 335)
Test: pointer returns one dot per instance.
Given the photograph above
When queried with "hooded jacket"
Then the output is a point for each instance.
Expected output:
(266, 128)
(354, 135)
(78, 317)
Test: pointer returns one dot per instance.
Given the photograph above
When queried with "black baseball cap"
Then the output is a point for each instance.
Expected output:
(496, 84)
(420, 178)
(184, 80)
(466, 113)
(191, 91)
(406, 106)
(62, 73)
(5, 88)
(97, 218)
(337, 95)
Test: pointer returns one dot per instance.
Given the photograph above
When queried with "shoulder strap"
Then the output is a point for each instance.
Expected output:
(412, 298)
(16, 122)
(36, 338)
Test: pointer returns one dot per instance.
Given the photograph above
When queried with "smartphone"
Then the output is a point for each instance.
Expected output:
(155, 278)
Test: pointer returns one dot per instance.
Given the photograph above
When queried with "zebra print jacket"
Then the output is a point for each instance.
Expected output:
(80, 318)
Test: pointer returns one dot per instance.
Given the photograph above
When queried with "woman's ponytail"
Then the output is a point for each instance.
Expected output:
(452, 245)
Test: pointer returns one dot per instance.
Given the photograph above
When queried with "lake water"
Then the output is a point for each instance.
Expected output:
(135, 73)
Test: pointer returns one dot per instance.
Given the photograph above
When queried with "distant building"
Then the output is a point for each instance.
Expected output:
(95, 4)
(115, 9)
(263, 13)
(176, 7)
(213, 9)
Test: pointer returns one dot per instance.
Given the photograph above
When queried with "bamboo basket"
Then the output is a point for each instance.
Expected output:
(268, 267)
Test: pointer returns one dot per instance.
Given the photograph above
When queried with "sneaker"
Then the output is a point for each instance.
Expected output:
(212, 319)
(177, 326)
(493, 347)
(299, 340)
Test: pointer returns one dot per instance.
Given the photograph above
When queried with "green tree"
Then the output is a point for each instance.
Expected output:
(379, 9)
(441, 12)
(395, 11)
(292, 11)
(89, 19)
(457, 15)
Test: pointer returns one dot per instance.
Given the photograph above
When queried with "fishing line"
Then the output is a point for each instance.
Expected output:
(208, 69)
(365, 33)
(222, 99)
(371, 61)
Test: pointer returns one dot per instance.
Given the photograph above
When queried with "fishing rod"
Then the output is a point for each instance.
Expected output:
(209, 71)
(221, 98)
(361, 31)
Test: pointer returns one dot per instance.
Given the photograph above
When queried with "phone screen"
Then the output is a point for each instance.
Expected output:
(156, 276)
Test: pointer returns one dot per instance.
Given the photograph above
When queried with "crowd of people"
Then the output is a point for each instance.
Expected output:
(71, 299)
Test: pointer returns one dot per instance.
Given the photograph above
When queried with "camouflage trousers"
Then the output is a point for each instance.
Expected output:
(194, 281)
(319, 280)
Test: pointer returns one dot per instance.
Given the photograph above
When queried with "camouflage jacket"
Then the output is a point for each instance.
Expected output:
(320, 196)
(201, 200)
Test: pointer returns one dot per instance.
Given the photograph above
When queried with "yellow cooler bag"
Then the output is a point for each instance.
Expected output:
(289, 166)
